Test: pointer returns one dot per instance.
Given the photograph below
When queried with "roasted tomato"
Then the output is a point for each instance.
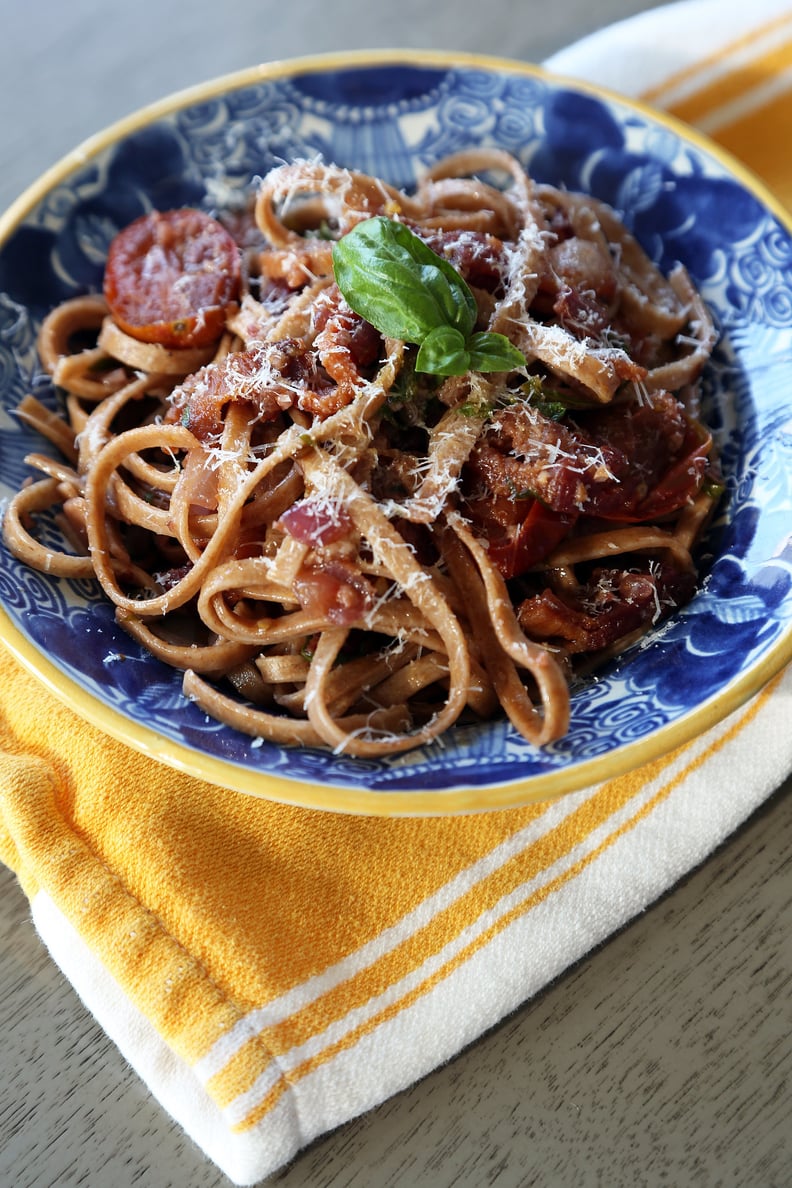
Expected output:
(171, 277)
(668, 452)
(530, 542)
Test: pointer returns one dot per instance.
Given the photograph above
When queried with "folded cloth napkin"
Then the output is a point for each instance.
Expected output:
(271, 971)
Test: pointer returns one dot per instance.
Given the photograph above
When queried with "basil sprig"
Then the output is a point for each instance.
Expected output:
(405, 290)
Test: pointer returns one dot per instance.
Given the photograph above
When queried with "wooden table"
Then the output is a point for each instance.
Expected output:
(662, 1059)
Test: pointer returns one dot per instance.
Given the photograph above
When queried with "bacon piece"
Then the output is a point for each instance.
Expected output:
(581, 311)
(478, 256)
(266, 377)
(529, 478)
(613, 604)
(623, 463)
(668, 454)
(345, 346)
(579, 288)
(525, 454)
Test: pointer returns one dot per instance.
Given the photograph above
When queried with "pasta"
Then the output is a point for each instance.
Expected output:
(342, 535)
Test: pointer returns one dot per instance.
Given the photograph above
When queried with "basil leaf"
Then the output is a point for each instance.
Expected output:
(405, 290)
(493, 352)
(443, 352)
(398, 284)
(386, 295)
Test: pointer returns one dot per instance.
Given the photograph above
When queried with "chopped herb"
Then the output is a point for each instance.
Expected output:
(519, 493)
(550, 402)
(552, 409)
(713, 487)
(476, 408)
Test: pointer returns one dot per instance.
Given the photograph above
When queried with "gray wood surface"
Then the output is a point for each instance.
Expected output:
(662, 1059)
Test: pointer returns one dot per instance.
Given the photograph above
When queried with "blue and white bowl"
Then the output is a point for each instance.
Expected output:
(392, 114)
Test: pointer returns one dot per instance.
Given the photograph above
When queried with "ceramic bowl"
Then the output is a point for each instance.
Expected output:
(392, 114)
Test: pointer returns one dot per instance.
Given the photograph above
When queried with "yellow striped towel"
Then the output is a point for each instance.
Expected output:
(722, 65)
(272, 971)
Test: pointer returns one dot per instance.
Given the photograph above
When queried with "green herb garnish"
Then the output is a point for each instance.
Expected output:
(550, 402)
(405, 290)
(553, 410)
(519, 493)
(713, 487)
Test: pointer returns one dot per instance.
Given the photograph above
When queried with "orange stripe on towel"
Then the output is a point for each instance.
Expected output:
(742, 97)
(700, 74)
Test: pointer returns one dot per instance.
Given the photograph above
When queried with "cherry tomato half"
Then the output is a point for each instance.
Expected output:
(170, 278)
